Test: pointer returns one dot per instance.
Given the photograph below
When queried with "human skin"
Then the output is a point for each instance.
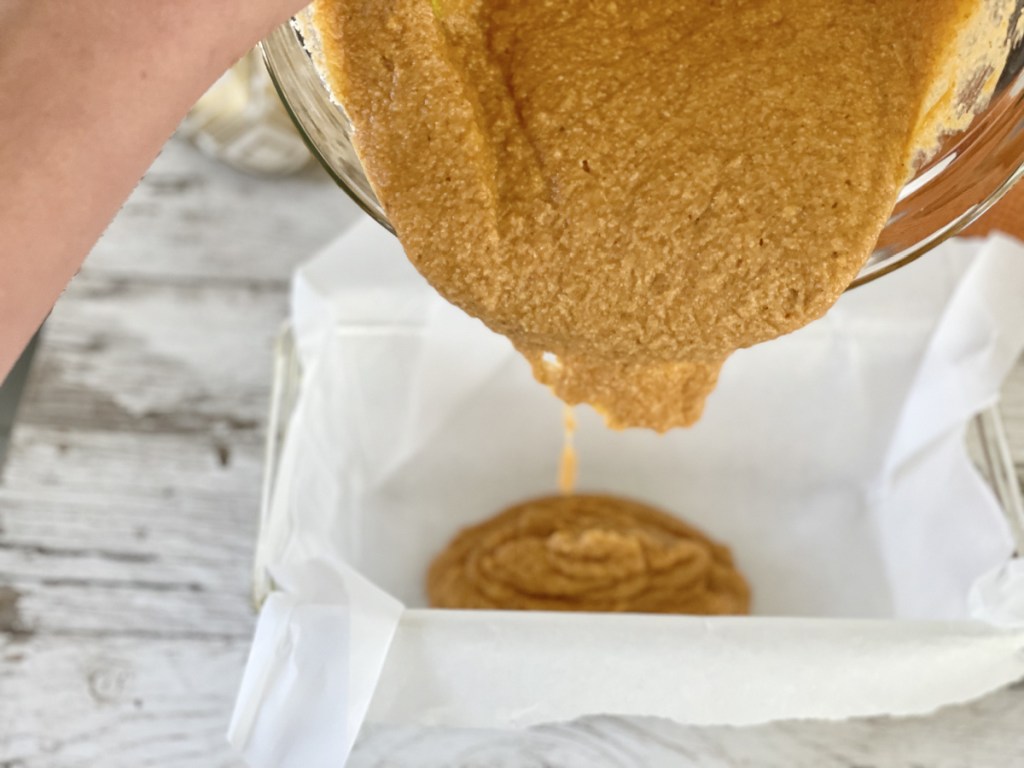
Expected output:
(89, 92)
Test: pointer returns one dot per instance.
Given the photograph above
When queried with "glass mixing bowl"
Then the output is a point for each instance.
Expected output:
(969, 174)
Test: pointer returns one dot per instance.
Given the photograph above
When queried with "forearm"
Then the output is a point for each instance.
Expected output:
(89, 92)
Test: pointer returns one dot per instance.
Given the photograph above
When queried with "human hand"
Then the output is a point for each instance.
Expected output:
(89, 92)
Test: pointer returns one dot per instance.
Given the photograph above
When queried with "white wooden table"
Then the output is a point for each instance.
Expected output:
(128, 515)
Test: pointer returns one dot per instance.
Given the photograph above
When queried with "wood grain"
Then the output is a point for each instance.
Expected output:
(92, 702)
(129, 500)
(128, 508)
(193, 222)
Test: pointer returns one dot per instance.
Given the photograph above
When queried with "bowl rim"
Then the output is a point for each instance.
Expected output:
(272, 49)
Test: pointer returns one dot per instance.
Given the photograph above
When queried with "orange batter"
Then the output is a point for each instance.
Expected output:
(587, 553)
(631, 190)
